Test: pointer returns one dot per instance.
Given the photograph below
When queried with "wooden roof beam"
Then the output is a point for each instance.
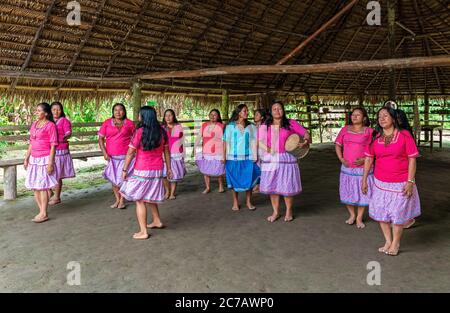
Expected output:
(317, 32)
(35, 40)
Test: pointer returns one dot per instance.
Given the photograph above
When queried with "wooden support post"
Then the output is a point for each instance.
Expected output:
(225, 105)
(308, 109)
(391, 45)
(416, 119)
(426, 114)
(137, 99)
(361, 100)
(10, 182)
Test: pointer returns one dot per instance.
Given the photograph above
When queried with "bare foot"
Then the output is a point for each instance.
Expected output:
(236, 208)
(40, 218)
(393, 250)
(351, 220)
(221, 190)
(141, 236)
(154, 225)
(121, 206)
(385, 248)
(172, 197)
(273, 218)
(166, 196)
(207, 190)
(114, 206)
(360, 224)
(288, 218)
(54, 201)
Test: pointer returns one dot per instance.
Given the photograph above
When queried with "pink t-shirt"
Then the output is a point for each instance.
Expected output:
(354, 144)
(42, 139)
(175, 136)
(64, 128)
(391, 162)
(147, 159)
(117, 139)
(279, 135)
(212, 138)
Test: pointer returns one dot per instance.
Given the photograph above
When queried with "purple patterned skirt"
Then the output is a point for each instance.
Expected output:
(178, 168)
(144, 185)
(113, 170)
(350, 182)
(388, 203)
(37, 177)
(211, 165)
(64, 164)
(280, 175)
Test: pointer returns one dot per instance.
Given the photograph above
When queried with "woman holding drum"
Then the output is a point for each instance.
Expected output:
(280, 174)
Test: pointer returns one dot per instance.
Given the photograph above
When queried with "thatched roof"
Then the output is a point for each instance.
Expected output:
(124, 38)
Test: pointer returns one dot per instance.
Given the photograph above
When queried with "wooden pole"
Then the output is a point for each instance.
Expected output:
(10, 185)
(308, 109)
(349, 66)
(391, 45)
(317, 32)
(426, 114)
(137, 99)
(225, 104)
(416, 118)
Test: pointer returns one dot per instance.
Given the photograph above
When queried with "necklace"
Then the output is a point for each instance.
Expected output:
(388, 138)
(118, 124)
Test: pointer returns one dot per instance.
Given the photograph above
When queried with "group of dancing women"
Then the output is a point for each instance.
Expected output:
(146, 161)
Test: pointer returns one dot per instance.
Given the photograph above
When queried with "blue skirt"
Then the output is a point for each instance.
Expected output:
(242, 175)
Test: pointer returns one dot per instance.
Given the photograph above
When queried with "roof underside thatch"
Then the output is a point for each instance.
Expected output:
(130, 37)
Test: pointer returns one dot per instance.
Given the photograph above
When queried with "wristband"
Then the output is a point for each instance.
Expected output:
(412, 181)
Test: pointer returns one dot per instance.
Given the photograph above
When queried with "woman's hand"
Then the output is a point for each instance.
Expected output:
(364, 186)
(25, 163)
(106, 156)
(303, 144)
(359, 161)
(169, 174)
(408, 189)
(344, 162)
(50, 168)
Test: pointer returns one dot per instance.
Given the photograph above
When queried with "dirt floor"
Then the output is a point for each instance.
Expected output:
(209, 248)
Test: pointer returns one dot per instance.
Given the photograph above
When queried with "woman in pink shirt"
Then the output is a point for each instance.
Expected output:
(210, 162)
(395, 199)
(351, 144)
(63, 161)
(174, 132)
(40, 159)
(145, 184)
(116, 132)
(280, 174)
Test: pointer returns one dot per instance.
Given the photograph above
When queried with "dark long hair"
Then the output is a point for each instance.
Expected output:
(124, 110)
(263, 114)
(235, 115)
(164, 117)
(60, 106)
(46, 107)
(378, 131)
(284, 119)
(218, 113)
(403, 122)
(153, 133)
(366, 119)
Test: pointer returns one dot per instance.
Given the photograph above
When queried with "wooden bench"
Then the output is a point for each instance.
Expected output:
(10, 171)
(429, 131)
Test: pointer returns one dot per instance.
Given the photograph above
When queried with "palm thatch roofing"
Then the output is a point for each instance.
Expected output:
(125, 38)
